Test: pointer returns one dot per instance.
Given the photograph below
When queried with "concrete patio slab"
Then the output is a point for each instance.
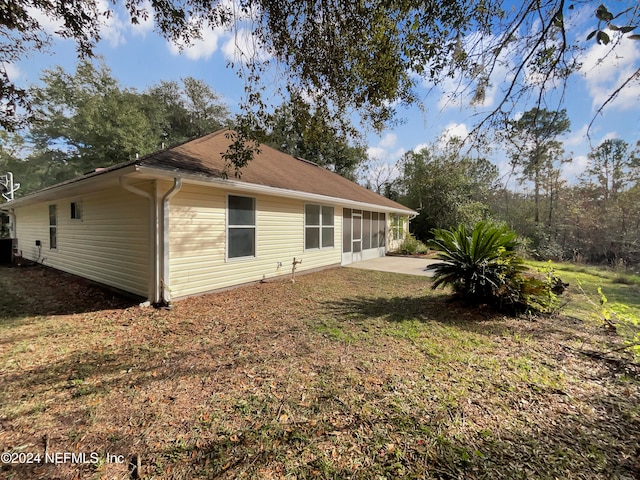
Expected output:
(407, 265)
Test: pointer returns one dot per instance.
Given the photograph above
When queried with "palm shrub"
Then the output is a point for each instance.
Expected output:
(482, 266)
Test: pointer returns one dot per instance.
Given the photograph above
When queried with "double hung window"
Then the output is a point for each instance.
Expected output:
(241, 227)
(53, 227)
(318, 227)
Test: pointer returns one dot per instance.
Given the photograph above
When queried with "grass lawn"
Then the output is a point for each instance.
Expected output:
(344, 374)
(621, 290)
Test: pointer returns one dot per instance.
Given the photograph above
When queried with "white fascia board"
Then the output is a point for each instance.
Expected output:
(234, 185)
(69, 188)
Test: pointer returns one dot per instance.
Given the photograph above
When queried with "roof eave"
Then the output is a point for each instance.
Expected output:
(58, 190)
(237, 185)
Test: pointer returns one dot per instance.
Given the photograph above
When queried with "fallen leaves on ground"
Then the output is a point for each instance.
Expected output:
(344, 374)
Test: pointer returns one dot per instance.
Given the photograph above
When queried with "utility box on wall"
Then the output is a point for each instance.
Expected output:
(7, 247)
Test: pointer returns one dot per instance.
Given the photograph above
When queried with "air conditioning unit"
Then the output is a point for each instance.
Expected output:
(8, 250)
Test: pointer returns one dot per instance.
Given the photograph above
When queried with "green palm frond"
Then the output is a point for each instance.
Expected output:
(475, 263)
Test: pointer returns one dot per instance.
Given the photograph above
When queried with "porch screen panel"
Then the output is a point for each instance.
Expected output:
(357, 231)
(374, 229)
(381, 229)
(366, 230)
(346, 230)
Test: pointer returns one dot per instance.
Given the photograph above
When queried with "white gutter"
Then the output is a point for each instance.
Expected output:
(166, 271)
(154, 237)
(69, 188)
(275, 191)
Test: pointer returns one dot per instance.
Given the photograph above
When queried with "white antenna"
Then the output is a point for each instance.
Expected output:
(7, 187)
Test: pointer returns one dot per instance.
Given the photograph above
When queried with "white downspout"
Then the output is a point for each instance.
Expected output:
(154, 237)
(166, 270)
(13, 229)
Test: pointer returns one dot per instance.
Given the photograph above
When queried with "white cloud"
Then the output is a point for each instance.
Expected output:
(420, 147)
(201, 48)
(448, 97)
(240, 13)
(112, 29)
(577, 138)
(582, 143)
(385, 150)
(609, 136)
(243, 46)
(310, 96)
(571, 170)
(397, 154)
(506, 172)
(48, 24)
(452, 130)
(605, 70)
(144, 25)
(603, 73)
(13, 72)
(392, 104)
(388, 141)
(237, 44)
(458, 92)
(376, 153)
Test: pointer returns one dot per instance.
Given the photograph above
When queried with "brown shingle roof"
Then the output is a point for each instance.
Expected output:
(270, 168)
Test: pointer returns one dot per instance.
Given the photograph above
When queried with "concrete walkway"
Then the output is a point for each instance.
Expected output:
(408, 265)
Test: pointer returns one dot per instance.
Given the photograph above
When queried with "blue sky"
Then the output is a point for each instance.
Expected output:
(138, 57)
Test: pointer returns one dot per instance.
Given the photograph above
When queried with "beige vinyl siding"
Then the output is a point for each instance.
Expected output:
(110, 244)
(198, 241)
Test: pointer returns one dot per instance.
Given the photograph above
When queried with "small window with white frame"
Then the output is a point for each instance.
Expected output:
(397, 227)
(76, 210)
(319, 228)
(53, 227)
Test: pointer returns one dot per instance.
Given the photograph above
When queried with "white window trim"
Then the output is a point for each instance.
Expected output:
(227, 226)
(397, 227)
(320, 226)
(55, 226)
(75, 219)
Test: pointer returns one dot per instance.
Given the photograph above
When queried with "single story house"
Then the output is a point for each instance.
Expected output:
(171, 224)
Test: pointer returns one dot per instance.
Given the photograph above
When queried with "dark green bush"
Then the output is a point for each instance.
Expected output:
(411, 245)
(482, 267)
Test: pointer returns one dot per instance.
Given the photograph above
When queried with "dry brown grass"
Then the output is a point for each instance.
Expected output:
(344, 374)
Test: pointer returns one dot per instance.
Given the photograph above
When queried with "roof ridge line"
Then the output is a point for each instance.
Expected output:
(305, 160)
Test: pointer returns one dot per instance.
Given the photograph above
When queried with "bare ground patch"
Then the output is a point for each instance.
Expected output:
(344, 374)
